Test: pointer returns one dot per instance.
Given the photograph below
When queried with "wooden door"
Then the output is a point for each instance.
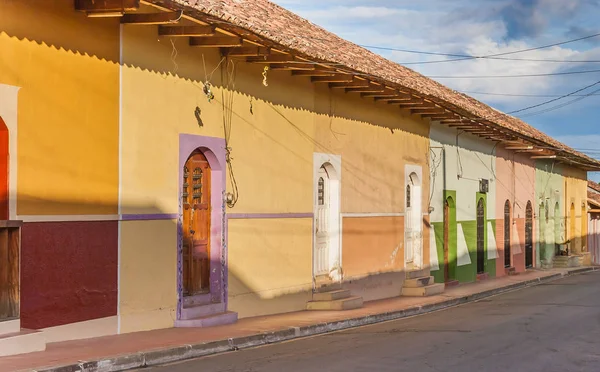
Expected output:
(507, 252)
(196, 225)
(480, 237)
(323, 212)
(529, 235)
(446, 241)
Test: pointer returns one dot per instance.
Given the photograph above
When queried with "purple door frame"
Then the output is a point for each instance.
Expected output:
(214, 150)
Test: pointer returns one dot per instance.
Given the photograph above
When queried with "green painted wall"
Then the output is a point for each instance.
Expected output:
(465, 273)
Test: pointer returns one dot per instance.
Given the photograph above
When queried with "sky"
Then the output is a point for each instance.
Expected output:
(484, 27)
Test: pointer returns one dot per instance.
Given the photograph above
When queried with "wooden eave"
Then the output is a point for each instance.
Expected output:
(236, 41)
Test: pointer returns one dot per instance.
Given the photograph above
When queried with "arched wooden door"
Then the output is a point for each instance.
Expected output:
(446, 241)
(196, 225)
(529, 235)
(480, 237)
(507, 253)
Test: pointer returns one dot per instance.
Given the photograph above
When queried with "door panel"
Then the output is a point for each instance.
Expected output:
(322, 207)
(196, 225)
(480, 237)
(446, 241)
(529, 236)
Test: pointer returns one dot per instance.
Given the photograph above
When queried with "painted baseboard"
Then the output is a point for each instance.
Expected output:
(81, 330)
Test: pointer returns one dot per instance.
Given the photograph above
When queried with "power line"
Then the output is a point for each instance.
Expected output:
(463, 57)
(555, 99)
(502, 59)
(560, 106)
(512, 76)
(522, 95)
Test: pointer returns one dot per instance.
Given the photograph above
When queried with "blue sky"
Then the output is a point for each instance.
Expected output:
(485, 27)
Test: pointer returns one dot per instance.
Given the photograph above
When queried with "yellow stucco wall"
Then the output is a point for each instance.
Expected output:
(148, 275)
(576, 193)
(67, 68)
(270, 265)
(275, 131)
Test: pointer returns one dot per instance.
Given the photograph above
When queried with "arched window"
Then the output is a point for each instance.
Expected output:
(507, 234)
(321, 191)
(407, 196)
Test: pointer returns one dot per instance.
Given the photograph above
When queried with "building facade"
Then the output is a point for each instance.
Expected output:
(165, 169)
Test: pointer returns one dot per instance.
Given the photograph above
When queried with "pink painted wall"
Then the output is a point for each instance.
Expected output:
(515, 177)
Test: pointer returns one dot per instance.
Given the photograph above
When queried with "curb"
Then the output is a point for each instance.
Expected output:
(184, 352)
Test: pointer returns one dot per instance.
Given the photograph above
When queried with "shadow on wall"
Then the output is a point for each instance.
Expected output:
(69, 273)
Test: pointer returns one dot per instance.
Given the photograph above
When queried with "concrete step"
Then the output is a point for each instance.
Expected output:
(332, 295)
(430, 290)
(566, 261)
(199, 311)
(342, 304)
(25, 341)
(414, 274)
(419, 282)
(227, 317)
(451, 283)
(510, 271)
(482, 276)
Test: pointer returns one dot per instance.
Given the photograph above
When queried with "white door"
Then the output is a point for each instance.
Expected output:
(322, 208)
(413, 227)
(417, 230)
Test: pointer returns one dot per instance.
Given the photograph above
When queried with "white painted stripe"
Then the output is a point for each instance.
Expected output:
(433, 257)
(357, 215)
(463, 251)
(491, 243)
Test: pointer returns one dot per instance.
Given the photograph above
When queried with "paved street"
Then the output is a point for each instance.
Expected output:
(550, 327)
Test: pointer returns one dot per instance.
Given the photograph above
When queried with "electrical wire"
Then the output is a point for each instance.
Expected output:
(556, 99)
(463, 57)
(522, 95)
(559, 106)
(511, 76)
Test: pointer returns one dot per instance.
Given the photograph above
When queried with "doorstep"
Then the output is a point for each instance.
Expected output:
(141, 349)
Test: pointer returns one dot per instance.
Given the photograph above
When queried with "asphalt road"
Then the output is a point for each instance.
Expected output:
(550, 327)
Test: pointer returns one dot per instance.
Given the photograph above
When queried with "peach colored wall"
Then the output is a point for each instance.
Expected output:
(372, 245)
(515, 178)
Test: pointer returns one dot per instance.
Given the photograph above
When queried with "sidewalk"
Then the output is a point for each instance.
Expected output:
(135, 350)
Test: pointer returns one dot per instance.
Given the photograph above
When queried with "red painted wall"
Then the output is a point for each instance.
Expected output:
(68, 272)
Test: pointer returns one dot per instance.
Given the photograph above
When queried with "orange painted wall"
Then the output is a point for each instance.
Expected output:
(372, 245)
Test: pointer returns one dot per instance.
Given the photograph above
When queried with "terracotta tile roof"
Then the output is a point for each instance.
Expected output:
(594, 193)
(278, 25)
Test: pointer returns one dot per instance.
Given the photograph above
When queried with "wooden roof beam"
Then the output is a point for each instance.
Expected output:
(216, 41)
(436, 117)
(145, 19)
(186, 31)
(272, 58)
(245, 51)
(106, 8)
(381, 95)
(356, 83)
(532, 150)
(313, 72)
(394, 98)
(294, 66)
(543, 157)
(332, 79)
(427, 110)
